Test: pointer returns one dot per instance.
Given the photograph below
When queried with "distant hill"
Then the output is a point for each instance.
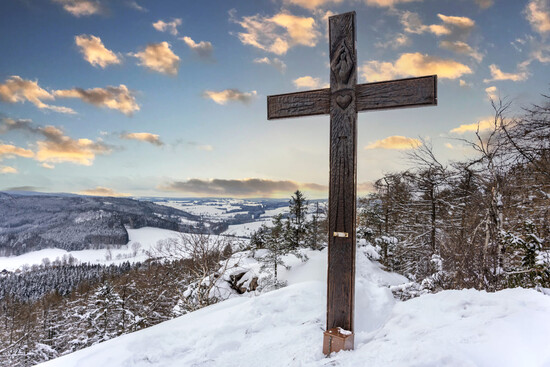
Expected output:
(33, 222)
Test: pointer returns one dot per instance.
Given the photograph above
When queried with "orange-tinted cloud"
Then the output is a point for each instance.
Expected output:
(10, 151)
(80, 8)
(58, 148)
(16, 89)
(307, 82)
(413, 64)
(278, 33)
(312, 4)
(8, 169)
(116, 98)
(461, 48)
(249, 187)
(229, 95)
(95, 52)
(485, 124)
(498, 74)
(395, 142)
(147, 137)
(159, 57)
(102, 191)
(484, 4)
(387, 3)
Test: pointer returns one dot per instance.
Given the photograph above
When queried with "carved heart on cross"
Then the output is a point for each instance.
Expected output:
(343, 101)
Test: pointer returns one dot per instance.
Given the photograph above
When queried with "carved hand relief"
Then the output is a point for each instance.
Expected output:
(342, 64)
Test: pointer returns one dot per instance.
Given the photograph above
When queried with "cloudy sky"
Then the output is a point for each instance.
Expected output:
(168, 98)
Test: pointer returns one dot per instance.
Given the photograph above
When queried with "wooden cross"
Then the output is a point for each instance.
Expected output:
(342, 101)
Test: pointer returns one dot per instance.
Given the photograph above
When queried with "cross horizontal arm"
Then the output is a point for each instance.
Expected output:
(392, 94)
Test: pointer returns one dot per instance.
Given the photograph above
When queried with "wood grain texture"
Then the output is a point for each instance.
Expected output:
(343, 168)
(315, 102)
(397, 93)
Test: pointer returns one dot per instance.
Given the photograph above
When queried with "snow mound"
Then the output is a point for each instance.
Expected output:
(284, 328)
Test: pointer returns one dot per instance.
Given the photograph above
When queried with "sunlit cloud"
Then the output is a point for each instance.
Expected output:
(170, 27)
(395, 142)
(461, 22)
(398, 40)
(413, 64)
(11, 151)
(365, 187)
(95, 52)
(492, 92)
(229, 95)
(484, 4)
(497, 74)
(485, 124)
(59, 148)
(463, 83)
(116, 98)
(134, 5)
(102, 191)
(275, 62)
(159, 57)
(203, 48)
(47, 165)
(203, 147)
(307, 82)
(312, 4)
(80, 8)
(277, 34)
(8, 169)
(147, 137)
(53, 146)
(249, 187)
(15, 89)
(387, 3)
(461, 48)
(537, 13)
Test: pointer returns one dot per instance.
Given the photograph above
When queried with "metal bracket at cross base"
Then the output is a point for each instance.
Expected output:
(337, 339)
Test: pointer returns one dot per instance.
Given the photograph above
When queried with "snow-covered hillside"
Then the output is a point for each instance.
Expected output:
(284, 328)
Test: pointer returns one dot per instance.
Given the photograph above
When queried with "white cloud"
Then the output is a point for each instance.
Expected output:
(159, 57)
(398, 40)
(413, 64)
(537, 13)
(275, 62)
(203, 48)
(461, 48)
(80, 8)
(116, 98)
(171, 27)
(147, 137)
(492, 93)
(229, 95)
(307, 82)
(277, 34)
(498, 74)
(395, 142)
(15, 89)
(387, 3)
(95, 52)
(461, 22)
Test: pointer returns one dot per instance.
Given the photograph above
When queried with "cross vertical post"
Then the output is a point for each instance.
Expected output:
(342, 101)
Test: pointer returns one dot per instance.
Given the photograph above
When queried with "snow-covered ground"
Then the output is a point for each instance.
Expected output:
(147, 237)
(284, 328)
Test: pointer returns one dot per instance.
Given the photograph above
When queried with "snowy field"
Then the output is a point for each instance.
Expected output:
(284, 328)
(147, 237)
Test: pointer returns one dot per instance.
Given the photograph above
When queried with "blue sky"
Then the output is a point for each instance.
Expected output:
(168, 98)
